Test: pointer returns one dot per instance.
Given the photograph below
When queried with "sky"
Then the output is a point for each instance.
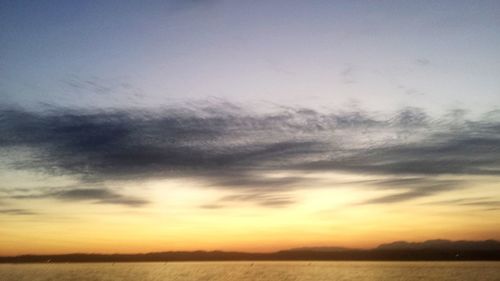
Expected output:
(138, 126)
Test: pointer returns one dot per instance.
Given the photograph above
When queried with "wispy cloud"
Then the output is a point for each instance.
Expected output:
(485, 203)
(423, 61)
(411, 188)
(98, 195)
(17, 212)
(259, 198)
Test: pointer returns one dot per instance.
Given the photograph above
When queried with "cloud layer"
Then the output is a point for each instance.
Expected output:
(229, 147)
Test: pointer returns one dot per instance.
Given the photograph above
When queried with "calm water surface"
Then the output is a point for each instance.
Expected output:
(241, 271)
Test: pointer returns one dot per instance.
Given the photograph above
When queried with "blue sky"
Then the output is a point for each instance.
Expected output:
(384, 55)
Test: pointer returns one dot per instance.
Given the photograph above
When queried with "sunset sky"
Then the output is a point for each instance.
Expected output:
(139, 126)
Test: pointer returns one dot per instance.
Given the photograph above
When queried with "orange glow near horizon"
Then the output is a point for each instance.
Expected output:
(178, 221)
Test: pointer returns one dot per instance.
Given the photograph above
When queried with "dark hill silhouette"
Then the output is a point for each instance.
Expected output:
(320, 249)
(432, 250)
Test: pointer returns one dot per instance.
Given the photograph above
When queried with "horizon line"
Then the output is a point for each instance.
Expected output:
(312, 248)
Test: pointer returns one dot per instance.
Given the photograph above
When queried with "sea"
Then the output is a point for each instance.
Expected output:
(248, 270)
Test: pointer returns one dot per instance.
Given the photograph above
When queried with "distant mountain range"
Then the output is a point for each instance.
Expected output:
(432, 250)
(443, 245)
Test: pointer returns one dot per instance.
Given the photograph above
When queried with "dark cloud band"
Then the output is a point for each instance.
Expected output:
(229, 147)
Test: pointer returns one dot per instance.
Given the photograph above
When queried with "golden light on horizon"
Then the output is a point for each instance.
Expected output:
(188, 215)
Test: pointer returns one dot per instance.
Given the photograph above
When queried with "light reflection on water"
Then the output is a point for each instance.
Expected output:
(242, 271)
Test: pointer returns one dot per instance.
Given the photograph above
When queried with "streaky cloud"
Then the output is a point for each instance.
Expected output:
(98, 195)
(411, 188)
(17, 212)
(484, 203)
